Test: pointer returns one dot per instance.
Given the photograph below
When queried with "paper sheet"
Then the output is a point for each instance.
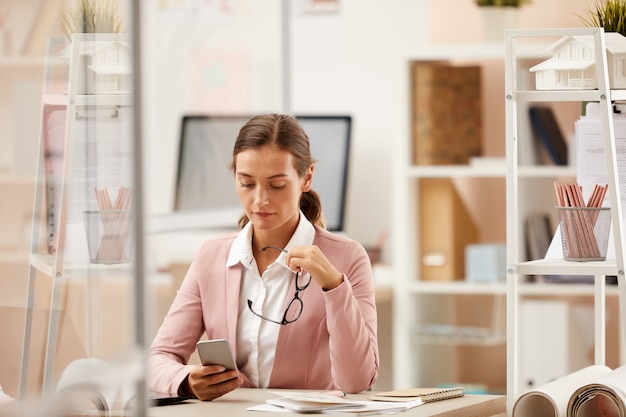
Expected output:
(318, 402)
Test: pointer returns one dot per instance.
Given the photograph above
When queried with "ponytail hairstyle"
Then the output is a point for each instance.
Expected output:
(285, 133)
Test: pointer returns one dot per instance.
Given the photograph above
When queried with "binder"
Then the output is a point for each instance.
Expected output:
(447, 113)
(547, 131)
(445, 229)
(53, 144)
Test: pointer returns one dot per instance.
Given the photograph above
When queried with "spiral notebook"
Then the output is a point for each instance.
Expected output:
(425, 394)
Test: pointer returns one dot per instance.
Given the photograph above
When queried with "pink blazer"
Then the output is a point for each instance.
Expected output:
(333, 345)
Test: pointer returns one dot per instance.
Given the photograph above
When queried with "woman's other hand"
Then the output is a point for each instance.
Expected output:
(312, 260)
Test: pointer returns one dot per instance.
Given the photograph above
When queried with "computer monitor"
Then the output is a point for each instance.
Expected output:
(205, 189)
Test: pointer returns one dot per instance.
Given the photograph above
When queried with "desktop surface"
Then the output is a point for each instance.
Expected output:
(235, 403)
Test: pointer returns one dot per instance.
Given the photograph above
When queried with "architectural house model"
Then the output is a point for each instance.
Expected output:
(105, 67)
(572, 66)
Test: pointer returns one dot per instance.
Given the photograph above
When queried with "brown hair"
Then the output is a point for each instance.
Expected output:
(285, 133)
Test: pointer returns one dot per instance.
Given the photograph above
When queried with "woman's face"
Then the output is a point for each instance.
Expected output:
(269, 187)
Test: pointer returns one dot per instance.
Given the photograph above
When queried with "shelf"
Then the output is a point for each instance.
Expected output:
(479, 51)
(90, 100)
(488, 171)
(457, 335)
(447, 171)
(564, 95)
(45, 264)
(23, 179)
(499, 288)
(563, 289)
(562, 267)
(456, 287)
(22, 61)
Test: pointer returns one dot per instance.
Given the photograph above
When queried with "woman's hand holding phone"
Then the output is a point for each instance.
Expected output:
(208, 382)
(218, 373)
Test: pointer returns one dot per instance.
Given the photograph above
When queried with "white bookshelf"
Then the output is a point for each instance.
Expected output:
(414, 352)
(75, 176)
(517, 267)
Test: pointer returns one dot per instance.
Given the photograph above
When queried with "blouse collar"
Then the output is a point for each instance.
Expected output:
(241, 249)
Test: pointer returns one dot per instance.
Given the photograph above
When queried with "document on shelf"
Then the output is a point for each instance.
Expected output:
(322, 403)
(591, 167)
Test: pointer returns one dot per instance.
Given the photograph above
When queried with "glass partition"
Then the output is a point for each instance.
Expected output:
(79, 298)
(72, 282)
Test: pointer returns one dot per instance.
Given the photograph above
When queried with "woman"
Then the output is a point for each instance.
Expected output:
(295, 301)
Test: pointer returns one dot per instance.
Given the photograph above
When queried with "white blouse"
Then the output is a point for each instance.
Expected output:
(257, 338)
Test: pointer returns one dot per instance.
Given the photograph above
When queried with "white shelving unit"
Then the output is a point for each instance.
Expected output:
(409, 290)
(517, 268)
(62, 91)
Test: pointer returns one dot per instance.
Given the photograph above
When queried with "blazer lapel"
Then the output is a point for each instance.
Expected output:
(233, 287)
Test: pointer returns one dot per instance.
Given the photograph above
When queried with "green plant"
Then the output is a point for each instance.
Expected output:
(608, 14)
(502, 3)
(91, 16)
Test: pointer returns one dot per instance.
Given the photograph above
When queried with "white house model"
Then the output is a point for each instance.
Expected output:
(572, 66)
(104, 67)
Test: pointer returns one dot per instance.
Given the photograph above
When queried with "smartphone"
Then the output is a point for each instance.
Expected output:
(216, 352)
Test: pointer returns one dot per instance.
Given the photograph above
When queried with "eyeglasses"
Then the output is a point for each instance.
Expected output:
(294, 308)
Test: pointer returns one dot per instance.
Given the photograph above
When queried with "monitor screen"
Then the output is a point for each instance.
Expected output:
(205, 185)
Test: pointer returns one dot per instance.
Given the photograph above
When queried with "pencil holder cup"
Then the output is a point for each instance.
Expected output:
(584, 232)
(108, 235)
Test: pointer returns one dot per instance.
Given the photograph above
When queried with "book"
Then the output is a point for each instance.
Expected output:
(538, 235)
(427, 395)
(538, 231)
(547, 131)
(446, 119)
(590, 391)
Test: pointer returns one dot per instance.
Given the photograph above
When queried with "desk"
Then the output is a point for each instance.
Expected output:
(234, 404)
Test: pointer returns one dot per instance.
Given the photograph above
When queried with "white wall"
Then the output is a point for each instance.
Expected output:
(355, 62)
(351, 61)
